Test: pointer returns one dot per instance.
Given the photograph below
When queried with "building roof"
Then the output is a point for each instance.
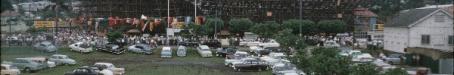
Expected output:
(407, 17)
(364, 12)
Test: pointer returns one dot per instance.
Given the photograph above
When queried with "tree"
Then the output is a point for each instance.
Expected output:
(113, 36)
(6, 5)
(285, 38)
(240, 25)
(332, 26)
(364, 69)
(305, 26)
(212, 25)
(266, 29)
(322, 61)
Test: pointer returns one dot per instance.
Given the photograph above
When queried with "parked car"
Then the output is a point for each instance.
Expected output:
(111, 67)
(286, 68)
(331, 44)
(212, 43)
(166, 52)
(237, 55)
(350, 52)
(28, 65)
(181, 51)
(250, 64)
(189, 43)
(62, 59)
(394, 59)
(204, 51)
(259, 50)
(270, 43)
(84, 70)
(81, 47)
(249, 43)
(42, 60)
(9, 70)
(382, 66)
(45, 46)
(111, 47)
(274, 58)
(235, 58)
(363, 58)
(223, 52)
(140, 48)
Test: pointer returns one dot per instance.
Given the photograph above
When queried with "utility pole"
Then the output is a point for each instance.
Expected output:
(301, 16)
(195, 10)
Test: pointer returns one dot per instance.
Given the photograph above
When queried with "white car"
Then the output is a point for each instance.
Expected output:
(364, 57)
(81, 47)
(286, 68)
(235, 57)
(271, 43)
(166, 52)
(181, 51)
(331, 44)
(382, 66)
(111, 67)
(140, 48)
(249, 43)
(274, 58)
(62, 59)
(45, 46)
(204, 51)
(350, 53)
(9, 70)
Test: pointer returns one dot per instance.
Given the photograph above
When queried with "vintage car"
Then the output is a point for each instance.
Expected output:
(235, 58)
(249, 43)
(45, 46)
(166, 52)
(212, 43)
(189, 43)
(111, 67)
(270, 43)
(84, 70)
(81, 47)
(111, 47)
(204, 51)
(285, 68)
(28, 65)
(259, 50)
(223, 52)
(181, 51)
(140, 48)
(331, 44)
(249, 64)
(9, 70)
(363, 58)
(382, 66)
(394, 59)
(62, 59)
(274, 58)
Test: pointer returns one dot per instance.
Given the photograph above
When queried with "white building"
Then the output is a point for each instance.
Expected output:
(424, 33)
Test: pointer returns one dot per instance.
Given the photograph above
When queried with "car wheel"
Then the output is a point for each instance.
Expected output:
(27, 70)
(260, 69)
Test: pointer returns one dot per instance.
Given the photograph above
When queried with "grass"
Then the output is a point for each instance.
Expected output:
(135, 64)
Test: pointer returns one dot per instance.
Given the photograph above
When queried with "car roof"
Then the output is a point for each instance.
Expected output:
(106, 63)
(166, 48)
(204, 47)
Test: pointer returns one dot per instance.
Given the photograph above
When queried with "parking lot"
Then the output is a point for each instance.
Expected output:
(135, 64)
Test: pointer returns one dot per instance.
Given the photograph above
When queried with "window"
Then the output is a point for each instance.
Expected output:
(425, 39)
(439, 17)
(451, 40)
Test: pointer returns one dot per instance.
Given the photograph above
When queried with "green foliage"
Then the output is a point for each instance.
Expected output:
(332, 26)
(306, 26)
(364, 69)
(266, 29)
(322, 61)
(195, 29)
(211, 25)
(112, 36)
(285, 38)
(240, 25)
(396, 71)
